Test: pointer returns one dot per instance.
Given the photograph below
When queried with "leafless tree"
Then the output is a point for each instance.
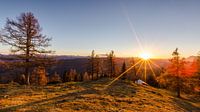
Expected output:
(26, 41)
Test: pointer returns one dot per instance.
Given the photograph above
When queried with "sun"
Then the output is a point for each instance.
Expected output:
(145, 55)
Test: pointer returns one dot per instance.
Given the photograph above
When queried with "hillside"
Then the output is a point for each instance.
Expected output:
(122, 96)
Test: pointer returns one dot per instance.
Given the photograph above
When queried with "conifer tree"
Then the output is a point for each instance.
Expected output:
(174, 76)
(123, 69)
(111, 64)
(92, 64)
(97, 67)
(26, 41)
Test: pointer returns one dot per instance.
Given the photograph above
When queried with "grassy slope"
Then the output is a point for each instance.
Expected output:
(89, 96)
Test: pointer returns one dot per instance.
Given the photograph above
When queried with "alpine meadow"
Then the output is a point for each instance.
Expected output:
(100, 56)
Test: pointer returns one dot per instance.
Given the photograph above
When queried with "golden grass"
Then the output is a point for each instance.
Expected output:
(123, 96)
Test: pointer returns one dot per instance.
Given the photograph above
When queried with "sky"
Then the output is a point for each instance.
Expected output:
(128, 27)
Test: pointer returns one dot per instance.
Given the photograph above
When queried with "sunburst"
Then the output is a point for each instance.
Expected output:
(144, 62)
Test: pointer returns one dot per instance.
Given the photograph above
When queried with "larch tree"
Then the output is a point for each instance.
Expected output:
(176, 70)
(26, 41)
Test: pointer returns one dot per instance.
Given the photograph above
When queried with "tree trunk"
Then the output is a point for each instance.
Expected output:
(111, 66)
(92, 69)
(27, 75)
(27, 56)
(178, 87)
(178, 92)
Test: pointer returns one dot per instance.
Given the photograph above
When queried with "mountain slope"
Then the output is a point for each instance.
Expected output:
(92, 96)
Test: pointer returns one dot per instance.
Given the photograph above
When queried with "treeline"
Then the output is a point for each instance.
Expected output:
(96, 68)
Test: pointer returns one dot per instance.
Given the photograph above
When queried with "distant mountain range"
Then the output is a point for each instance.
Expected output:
(64, 57)
(57, 57)
(67, 57)
(191, 58)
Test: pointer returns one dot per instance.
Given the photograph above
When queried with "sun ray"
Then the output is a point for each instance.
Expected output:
(122, 74)
(132, 27)
(155, 64)
(145, 70)
(139, 68)
(154, 75)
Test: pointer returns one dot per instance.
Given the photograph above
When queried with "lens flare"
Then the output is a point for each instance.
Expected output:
(145, 55)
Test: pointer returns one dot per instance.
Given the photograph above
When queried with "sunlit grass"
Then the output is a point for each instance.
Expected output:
(87, 97)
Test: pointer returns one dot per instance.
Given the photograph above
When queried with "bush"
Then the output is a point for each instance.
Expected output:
(38, 77)
(55, 78)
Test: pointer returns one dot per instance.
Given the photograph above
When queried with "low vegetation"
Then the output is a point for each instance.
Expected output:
(90, 96)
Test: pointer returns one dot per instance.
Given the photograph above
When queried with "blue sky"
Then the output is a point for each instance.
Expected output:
(79, 26)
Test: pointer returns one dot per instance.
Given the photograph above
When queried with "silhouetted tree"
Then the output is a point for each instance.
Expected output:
(92, 64)
(25, 38)
(123, 69)
(111, 64)
(65, 77)
(97, 67)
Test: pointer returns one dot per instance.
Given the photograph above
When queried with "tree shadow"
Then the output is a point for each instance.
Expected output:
(88, 89)
(59, 99)
(92, 87)
(13, 108)
(186, 105)
(119, 88)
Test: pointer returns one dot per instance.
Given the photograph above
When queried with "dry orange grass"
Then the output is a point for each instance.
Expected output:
(123, 96)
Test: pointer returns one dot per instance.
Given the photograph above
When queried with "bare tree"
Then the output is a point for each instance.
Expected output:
(26, 41)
